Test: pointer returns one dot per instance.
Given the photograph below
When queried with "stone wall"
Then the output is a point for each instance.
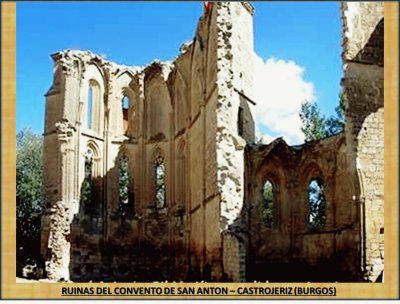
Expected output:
(350, 247)
(180, 112)
(235, 50)
(290, 249)
(189, 121)
(363, 29)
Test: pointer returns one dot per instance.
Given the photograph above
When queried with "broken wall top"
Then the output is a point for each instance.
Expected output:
(363, 29)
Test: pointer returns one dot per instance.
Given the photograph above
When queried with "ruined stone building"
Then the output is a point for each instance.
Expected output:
(152, 173)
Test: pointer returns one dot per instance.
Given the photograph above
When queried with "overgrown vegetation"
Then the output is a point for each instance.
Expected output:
(86, 199)
(160, 183)
(124, 203)
(316, 126)
(317, 204)
(268, 211)
(29, 197)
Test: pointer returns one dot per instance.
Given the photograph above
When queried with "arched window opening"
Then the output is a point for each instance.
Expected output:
(269, 204)
(317, 204)
(87, 185)
(125, 113)
(94, 107)
(160, 183)
(125, 201)
(89, 114)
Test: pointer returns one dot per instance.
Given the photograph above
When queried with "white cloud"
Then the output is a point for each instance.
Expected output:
(279, 91)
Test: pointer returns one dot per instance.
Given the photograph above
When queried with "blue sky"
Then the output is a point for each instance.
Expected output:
(308, 33)
(291, 34)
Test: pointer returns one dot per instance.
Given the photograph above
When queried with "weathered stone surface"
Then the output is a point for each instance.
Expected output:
(363, 88)
(192, 118)
(363, 32)
(291, 243)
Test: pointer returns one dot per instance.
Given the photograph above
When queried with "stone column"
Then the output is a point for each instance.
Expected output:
(59, 213)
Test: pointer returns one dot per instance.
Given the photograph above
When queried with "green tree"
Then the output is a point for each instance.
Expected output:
(317, 204)
(28, 195)
(87, 184)
(313, 122)
(160, 183)
(268, 211)
(316, 126)
(124, 203)
(335, 124)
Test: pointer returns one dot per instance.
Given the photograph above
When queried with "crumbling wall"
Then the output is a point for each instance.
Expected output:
(234, 62)
(363, 29)
(291, 250)
(95, 241)
(59, 159)
(193, 113)
(73, 231)
(182, 112)
(351, 166)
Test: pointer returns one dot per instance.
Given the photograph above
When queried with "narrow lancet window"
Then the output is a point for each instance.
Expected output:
(269, 204)
(89, 108)
(125, 113)
(124, 199)
(160, 183)
(316, 204)
(87, 185)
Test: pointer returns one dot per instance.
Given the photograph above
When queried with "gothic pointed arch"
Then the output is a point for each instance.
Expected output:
(158, 176)
(97, 164)
(90, 190)
(93, 92)
(123, 101)
(271, 185)
(316, 197)
(126, 198)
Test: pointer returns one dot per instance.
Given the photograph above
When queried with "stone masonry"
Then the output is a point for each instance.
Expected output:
(188, 205)
(363, 29)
